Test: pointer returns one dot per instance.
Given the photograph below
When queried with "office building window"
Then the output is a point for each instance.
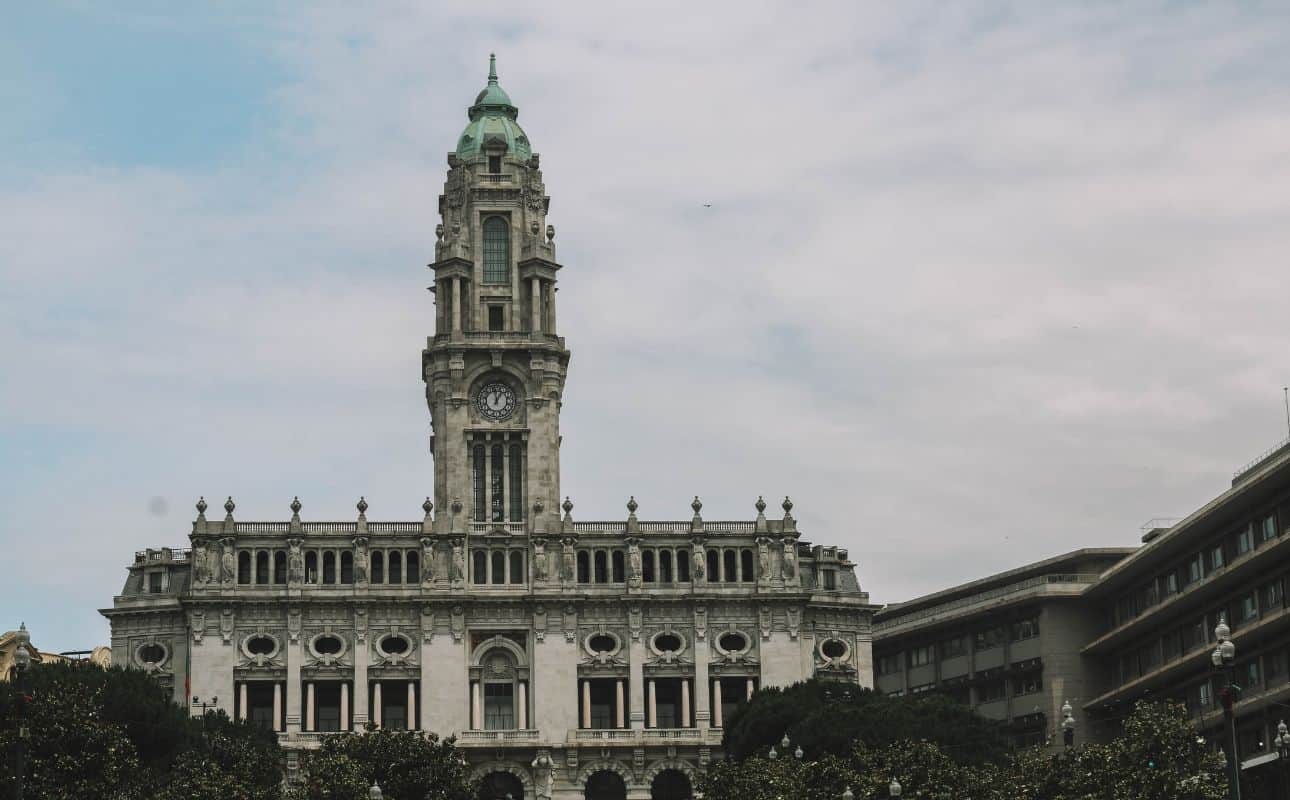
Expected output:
(1268, 528)
(920, 656)
(1027, 684)
(888, 664)
(991, 691)
(1025, 629)
(954, 647)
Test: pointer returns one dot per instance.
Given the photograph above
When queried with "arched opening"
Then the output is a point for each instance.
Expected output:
(329, 567)
(499, 567)
(378, 567)
(413, 567)
(497, 250)
(729, 567)
(311, 566)
(479, 567)
(605, 785)
(395, 566)
(244, 567)
(346, 567)
(618, 566)
(500, 786)
(584, 569)
(500, 691)
(670, 784)
(746, 566)
(683, 566)
(517, 566)
(262, 566)
(714, 567)
(665, 566)
(602, 567)
(279, 566)
(647, 566)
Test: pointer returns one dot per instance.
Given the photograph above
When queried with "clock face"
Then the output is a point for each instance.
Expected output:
(496, 401)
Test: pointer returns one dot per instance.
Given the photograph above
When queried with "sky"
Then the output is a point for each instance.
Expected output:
(975, 283)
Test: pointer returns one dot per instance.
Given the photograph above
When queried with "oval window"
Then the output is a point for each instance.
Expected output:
(152, 654)
(667, 642)
(833, 648)
(395, 645)
(602, 643)
(328, 645)
(261, 646)
(733, 642)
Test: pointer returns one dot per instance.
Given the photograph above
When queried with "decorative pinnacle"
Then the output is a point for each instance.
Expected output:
(697, 505)
(456, 505)
(201, 505)
(538, 507)
(295, 506)
(567, 505)
(492, 68)
(229, 505)
(760, 504)
(427, 506)
(362, 505)
(631, 505)
(787, 505)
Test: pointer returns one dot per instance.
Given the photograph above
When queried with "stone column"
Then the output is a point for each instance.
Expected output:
(701, 711)
(653, 706)
(277, 706)
(523, 716)
(716, 703)
(376, 703)
(685, 703)
(344, 706)
(412, 705)
(241, 701)
(620, 712)
(309, 706)
(586, 703)
(537, 307)
(636, 680)
(550, 309)
(361, 656)
(456, 305)
(476, 707)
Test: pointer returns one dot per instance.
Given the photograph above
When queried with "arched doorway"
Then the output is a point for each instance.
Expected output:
(606, 785)
(501, 786)
(671, 784)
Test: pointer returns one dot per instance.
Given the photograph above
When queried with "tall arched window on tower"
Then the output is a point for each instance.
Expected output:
(497, 503)
(477, 468)
(497, 250)
(517, 484)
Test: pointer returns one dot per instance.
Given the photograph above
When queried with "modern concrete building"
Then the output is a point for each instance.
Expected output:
(1007, 645)
(570, 658)
(1156, 612)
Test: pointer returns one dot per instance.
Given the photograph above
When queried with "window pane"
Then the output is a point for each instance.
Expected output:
(497, 250)
(477, 467)
(499, 706)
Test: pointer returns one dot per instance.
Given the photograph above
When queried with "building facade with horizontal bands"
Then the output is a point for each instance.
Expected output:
(1007, 645)
(570, 658)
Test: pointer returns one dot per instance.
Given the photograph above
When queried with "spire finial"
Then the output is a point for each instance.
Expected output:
(492, 68)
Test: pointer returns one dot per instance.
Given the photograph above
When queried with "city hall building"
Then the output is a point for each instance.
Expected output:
(570, 658)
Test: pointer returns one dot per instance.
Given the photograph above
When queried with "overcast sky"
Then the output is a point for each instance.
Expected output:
(979, 284)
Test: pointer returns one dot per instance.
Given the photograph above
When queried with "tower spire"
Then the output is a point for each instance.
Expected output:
(492, 68)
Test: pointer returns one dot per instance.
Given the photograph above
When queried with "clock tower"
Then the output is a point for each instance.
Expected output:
(495, 367)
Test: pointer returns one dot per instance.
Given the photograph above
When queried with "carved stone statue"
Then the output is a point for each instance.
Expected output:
(201, 567)
(427, 560)
(634, 563)
(570, 562)
(539, 560)
(700, 564)
(790, 559)
(458, 561)
(228, 564)
(763, 558)
(295, 562)
(360, 561)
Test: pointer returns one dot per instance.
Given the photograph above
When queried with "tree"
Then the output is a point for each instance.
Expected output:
(828, 718)
(406, 764)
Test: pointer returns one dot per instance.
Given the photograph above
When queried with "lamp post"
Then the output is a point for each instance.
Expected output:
(21, 662)
(785, 744)
(1282, 743)
(1223, 659)
(375, 792)
(894, 789)
(1068, 725)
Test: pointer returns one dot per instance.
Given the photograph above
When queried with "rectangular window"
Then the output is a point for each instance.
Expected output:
(1169, 584)
(495, 164)
(1274, 594)
(1216, 557)
(1247, 608)
(1171, 645)
(888, 664)
(1195, 569)
(517, 483)
(1205, 695)
(1274, 668)
(991, 691)
(667, 702)
(477, 470)
(154, 582)
(1025, 629)
(1245, 540)
(603, 701)
(830, 580)
(495, 321)
(259, 701)
(1027, 684)
(497, 506)
(327, 706)
(499, 706)
(1250, 676)
(920, 656)
(1194, 635)
(1268, 528)
(991, 637)
(954, 647)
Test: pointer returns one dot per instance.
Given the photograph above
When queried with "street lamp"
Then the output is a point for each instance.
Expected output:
(21, 662)
(1068, 724)
(375, 792)
(847, 795)
(1223, 659)
(1282, 743)
(894, 788)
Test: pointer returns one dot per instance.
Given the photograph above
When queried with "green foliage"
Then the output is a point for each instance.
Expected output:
(406, 764)
(1156, 734)
(828, 718)
(115, 734)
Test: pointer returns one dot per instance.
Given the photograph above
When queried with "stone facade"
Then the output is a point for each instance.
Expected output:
(569, 658)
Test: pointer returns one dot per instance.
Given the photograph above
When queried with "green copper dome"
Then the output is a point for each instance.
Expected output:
(492, 118)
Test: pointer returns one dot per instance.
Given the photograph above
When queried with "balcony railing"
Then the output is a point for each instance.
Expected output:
(981, 597)
(494, 177)
(491, 527)
(498, 737)
(679, 527)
